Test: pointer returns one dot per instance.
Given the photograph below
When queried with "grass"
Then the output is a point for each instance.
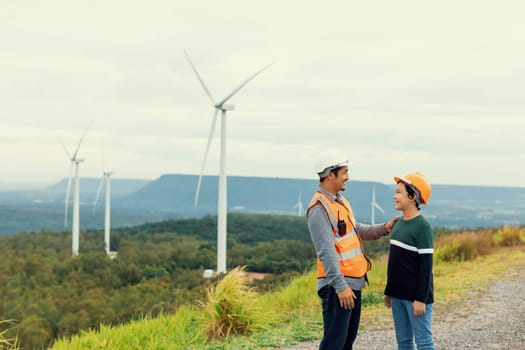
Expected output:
(233, 316)
(278, 319)
(5, 342)
(177, 331)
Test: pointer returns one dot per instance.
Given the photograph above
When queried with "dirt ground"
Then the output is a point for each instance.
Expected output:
(491, 319)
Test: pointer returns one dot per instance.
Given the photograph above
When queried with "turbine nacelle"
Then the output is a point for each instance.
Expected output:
(225, 107)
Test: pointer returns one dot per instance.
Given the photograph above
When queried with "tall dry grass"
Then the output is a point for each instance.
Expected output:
(468, 245)
(5, 342)
(508, 236)
(231, 307)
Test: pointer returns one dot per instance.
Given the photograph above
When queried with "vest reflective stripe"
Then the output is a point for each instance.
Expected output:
(349, 234)
(331, 215)
(352, 260)
(350, 254)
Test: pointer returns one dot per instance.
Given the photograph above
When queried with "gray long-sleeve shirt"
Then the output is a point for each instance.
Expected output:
(324, 243)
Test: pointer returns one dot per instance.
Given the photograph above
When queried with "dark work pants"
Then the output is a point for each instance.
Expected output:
(340, 325)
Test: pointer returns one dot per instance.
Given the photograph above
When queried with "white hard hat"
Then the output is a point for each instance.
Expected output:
(328, 159)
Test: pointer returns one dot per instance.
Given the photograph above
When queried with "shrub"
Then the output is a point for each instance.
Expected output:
(230, 308)
(508, 236)
(448, 253)
(463, 246)
(34, 331)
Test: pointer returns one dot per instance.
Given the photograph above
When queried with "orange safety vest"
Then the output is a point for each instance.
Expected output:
(352, 260)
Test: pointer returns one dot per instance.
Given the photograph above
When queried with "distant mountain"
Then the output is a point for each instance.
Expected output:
(90, 185)
(44, 209)
(450, 206)
(457, 206)
(247, 194)
(171, 196)
(57, 192)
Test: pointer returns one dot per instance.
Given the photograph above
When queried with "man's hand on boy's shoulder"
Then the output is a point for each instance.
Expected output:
(390, 225)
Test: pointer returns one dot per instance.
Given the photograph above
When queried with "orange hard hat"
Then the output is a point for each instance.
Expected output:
(419, 182)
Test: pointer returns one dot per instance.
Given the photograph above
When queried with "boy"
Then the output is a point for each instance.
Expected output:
(409, 290)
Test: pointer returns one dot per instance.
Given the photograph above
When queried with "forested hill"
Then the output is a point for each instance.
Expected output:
(159, 266)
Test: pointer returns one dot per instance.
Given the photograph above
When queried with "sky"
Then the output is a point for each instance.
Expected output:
(397, 86)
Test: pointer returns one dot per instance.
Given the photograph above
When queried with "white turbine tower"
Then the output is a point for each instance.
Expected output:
(222, 201)
(107, 217)
(373, 206)
(76, 202)
(299, 206)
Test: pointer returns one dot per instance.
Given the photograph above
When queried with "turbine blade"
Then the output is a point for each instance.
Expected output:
(210, 136)
(98, 193)
(68, 190)
(65, 149)
(378, 207)
(103, 157)
(241, 86)
(200, 78)
(81, 139)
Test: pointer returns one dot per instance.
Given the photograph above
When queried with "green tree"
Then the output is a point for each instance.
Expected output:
(34, 332)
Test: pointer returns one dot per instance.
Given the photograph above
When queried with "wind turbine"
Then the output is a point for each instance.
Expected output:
(373, 206)
(222, 201)
(107, 217)
(299, 206)
(76, 202)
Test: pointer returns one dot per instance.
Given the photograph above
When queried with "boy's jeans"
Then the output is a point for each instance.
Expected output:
(409, 327)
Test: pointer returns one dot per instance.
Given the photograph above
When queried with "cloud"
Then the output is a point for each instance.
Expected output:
(398, 86)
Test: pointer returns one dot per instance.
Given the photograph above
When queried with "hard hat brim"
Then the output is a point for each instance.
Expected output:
(338, 165)
(398, 179)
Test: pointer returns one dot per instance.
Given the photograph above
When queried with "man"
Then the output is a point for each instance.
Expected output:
(341, 264)
(409, 288)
